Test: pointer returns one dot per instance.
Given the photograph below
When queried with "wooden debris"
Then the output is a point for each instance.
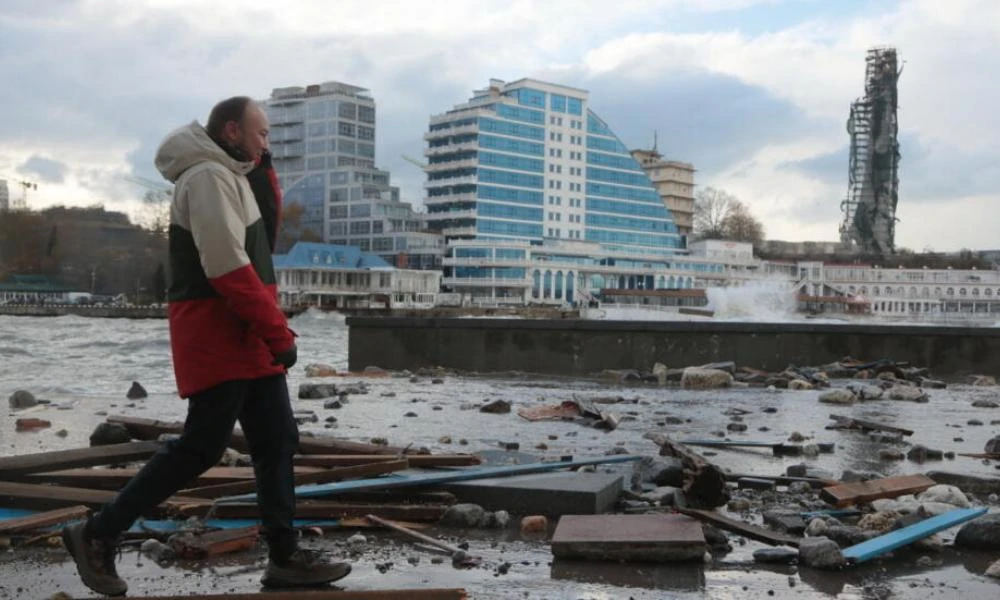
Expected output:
(784, 480)
(339, 510)
(645, 538)
(846, 494)
(981, 455)
(843, 422)
(878, 546)
(459, 557)
(43, 497)
(332, 594)
(114, 479)
(214, 543)
(44, 519)
(777, 448)
(31, 424)
(416, 460)
(11, 466)
(745, 529)
(704, 483)
(322, 476)
(567, 410)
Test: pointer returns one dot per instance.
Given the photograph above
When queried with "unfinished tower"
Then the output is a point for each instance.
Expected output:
(870, 207)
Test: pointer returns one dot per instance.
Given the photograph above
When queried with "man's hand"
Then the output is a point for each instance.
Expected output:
(288, 358)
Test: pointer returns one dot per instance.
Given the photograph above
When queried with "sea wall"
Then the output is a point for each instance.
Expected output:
(578, 347)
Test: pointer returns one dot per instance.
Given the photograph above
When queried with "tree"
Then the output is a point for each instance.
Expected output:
(741, 226)
(711, 207)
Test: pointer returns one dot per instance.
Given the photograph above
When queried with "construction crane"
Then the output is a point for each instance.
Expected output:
(410, 159)
(160, 191)
(22, 202)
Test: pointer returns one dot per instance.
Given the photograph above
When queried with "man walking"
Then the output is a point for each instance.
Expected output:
(231, 348)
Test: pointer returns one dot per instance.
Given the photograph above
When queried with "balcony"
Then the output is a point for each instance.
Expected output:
(449, 261)
(460, 180)
(469, 230)
(438, 150)
(452, 214)
(449, 199)
(483, 282)
(466, 163)
(443, 133)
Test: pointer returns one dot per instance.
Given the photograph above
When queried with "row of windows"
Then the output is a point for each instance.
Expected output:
(489, 226)
(321, 109)
(439, 159)
(521, 114)
(513, 179)
(599, 220)
(508, 145)
(606, 145)
(615, 161)
(625, 193)
(530, 97)
(636, 239)
(925, 292)
(501, 253)
(503, 211)
(451, 124)
(627, 208)
(506, 161)
(490, 273)
(343, 146)
(597, 126)
(511, 129)
(489, 192)
(343, 128)
(438, 175)
(636, 179)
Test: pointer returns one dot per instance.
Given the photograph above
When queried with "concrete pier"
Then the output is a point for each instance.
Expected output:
(579, 347)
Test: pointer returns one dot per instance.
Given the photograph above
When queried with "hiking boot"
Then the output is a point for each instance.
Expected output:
(95, 560)
(304, 568)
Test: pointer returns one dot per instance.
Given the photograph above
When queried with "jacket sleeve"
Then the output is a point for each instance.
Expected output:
(218, 226)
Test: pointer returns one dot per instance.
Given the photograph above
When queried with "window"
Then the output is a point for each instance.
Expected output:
(359, 227)
(345, 129)
(366, 114)
(361, 210)
(316, 163)
(557, 103)
(377, 228)
(366, 133)
(348, 110)
(338, 212)
(338, 228)
(317, 129)
(382, 244)
(574, 106)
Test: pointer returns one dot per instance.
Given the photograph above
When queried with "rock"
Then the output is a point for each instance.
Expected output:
(838, 396)
(727, 366)
(980, 534)
(863, 374)
(534, 524)
(886, 376)
(410, 414)
(715, 539)
(781, 556)
(333, 404)
(800, 384)
(357, 540)
(497, 520)
(931, 384)
(864, 391)
(157, 550)
(695, 378)
(316, 391)
(663, 471)
(847, 535)
(62, 433)
(785, 521)
(660, 372)
(736, 427)
(379, 441)
(795, 437)
(444, 439)
(993, 570)
(810, 450)
(30, 424)
(437, 381)
(661, 496)
(464, 515)
(985, 404)
(802, 470)
(992, 446)
(799, 487)
(739, 505)
(305, 416)
(982, 380)
(22, 399)
(907, 394)
(109, 433)
(948, 494)
(820, 553)
(136, 392)
(920, 453)
(849, 476)
(497, 407)
(816, 528)
(320, 370)
(879, 522)
(506, 445)
(890, 454)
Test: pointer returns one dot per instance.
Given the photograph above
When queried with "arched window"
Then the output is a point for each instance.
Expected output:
(864, 291)
(548, 285)
(913, 292)
(975, 291)
(951, 291)
(987, 292)
(671, 283)
(559, 285)
(925, 292)
(536, 285)
(962, 291)
(888, 291)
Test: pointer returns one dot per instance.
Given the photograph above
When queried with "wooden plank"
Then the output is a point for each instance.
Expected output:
(745, 529)
(646, 538)
(784, 480)
(339, 510)
(332, 594)
(321, 476)
(151, 429)
(114, 479)
(382, 483)
(416, 460)
(214, 543)
(43, 519)
(843, 422)
(888, 542)
(44, 497)
(846, 494)
(11, 466)
(729, 443)
(704, 483)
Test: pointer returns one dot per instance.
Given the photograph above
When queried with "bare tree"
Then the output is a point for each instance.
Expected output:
(711, 207)
(741, 226)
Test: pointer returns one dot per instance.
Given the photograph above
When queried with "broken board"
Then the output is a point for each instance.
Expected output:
(332, 594)
(320, 476)
(11, 466)
(33, 496)
(745, 529)
(878, 546)
(640, 538)
(843, 422)
(847, 494)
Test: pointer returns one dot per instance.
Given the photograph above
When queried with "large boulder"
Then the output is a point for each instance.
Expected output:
(106, 434)
(22, 399)
(838, 396)
(947, 494)
(864, 391)
(697, 378)
(820, 553)
(316, 391)
(992, 446)
(136, 392)
(980, 534)
(907, 394)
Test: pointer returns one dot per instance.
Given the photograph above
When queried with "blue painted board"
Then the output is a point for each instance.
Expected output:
(887, 543)
(8, 514)
(166, 526)
(384, 483)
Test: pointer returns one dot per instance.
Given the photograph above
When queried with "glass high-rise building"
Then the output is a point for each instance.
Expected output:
(323, 148)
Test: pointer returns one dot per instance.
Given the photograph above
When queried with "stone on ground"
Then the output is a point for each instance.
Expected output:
(696, 378)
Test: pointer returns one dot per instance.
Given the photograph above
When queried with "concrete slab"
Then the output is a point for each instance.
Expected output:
(640, 538)
(543, 493)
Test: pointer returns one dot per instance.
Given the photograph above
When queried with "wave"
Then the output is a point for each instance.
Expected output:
(12, 351)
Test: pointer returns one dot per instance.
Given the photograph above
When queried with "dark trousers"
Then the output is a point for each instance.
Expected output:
(264, 411)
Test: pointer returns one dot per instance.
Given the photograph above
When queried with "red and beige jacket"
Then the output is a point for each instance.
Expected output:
(225, 322)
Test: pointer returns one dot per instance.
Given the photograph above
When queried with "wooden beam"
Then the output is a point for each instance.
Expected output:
(338, 510)
(416, 460)
(888, 542)
(843, 422)
(44, 497)
(745, 529)
(12, 466)
(114, 479)
(784, 480)
(846, 494)
(321, 476)
(704, 483)
(214, 543)
(151, 429)
(44, 519)
(334, 594)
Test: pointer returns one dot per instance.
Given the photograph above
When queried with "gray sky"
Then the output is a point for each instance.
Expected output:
(755, 93)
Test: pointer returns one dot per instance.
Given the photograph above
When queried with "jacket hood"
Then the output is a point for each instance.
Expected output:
(189, 145)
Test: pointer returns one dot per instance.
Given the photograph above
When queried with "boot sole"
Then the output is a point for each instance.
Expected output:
(278, 582)
(74, 552)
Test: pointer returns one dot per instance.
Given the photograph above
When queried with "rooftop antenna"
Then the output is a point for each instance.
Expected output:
(654, 141)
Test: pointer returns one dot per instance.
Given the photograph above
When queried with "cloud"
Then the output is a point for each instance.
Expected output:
(45, 169)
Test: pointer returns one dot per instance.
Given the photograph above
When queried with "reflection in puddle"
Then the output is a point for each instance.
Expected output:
(681, 577)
